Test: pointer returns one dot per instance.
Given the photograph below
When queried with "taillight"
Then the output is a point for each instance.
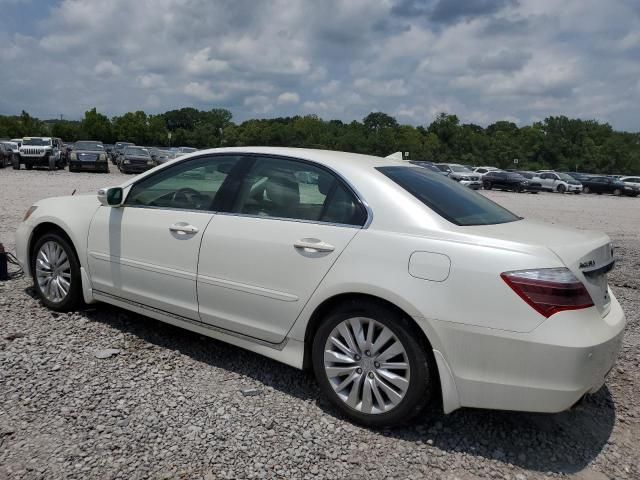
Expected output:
(549, 290)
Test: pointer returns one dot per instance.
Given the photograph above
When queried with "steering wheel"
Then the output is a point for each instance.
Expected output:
(188, 195)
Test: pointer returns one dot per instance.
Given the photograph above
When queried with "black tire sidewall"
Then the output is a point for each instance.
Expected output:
(74, 297)
(423, 377)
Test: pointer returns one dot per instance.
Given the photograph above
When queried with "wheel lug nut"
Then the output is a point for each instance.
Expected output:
(357, 357)
(367, 353)
(376, 364)
(358, 371)
(370, 374)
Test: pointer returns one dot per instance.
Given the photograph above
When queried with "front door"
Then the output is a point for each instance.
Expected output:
(260, 263)
(147, 250)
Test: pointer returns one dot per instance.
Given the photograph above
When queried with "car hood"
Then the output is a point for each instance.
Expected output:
(137, 157)
(582, 251)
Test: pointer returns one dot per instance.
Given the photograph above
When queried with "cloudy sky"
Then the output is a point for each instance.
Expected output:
(484, 60)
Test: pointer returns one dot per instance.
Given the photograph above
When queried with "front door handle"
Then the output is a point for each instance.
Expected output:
(314, 245)
(183, 228)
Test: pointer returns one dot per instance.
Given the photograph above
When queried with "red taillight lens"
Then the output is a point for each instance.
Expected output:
(549, 290)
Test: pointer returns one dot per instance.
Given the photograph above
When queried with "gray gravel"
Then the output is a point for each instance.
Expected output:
(104, 393)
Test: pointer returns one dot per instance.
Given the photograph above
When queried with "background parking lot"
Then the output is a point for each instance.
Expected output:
(173, 404)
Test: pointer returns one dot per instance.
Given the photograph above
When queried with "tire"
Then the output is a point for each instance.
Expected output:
(421, 372)
(52, 164)
(617, 192)
(561, 188)
(518, 189)
(577, 192)
(586, 190)
(15, 163)
(487, 186)
(73, 297)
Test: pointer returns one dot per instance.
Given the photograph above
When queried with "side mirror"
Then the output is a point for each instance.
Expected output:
(110, 197)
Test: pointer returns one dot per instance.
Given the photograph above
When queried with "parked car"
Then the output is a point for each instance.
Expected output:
(40, 152)
(135, 160)
(6, 154)
(557, 182)
(88, 155)
(428, 165)
(509, 181)
(118, 149)
(579, 176)
(461, 174)
(482, 171)
(604, 184)
(185, 150)
(631, 181)
(394, 284)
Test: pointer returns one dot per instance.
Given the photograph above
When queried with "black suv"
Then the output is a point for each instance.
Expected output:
(604, 184)
(509, 181)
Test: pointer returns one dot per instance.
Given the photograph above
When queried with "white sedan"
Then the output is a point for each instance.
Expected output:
(395, 285)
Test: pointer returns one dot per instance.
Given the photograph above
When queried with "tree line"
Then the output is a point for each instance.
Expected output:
(556, 143)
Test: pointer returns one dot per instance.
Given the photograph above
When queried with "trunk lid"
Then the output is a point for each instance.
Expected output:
(587, 253)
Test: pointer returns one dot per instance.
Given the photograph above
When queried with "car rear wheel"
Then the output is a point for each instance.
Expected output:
(617, 192)
(370, 363)
(586, 190)
(56, 273)
(561, 189)
(487, 186)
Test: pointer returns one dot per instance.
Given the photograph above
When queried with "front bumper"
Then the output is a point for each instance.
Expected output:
(574, 188)
(546, 370)
(89, 166)
(473, 184)
(135, 168)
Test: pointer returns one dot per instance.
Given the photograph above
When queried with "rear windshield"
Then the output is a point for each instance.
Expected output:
(452, 201)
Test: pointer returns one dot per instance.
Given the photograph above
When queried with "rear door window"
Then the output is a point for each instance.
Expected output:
(452, 201)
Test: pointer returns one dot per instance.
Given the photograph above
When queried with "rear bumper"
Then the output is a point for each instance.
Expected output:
(546, 370)
(473, 184)
(574, 188)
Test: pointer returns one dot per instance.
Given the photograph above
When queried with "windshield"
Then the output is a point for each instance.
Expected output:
(460, 169)
(90, 146)
(449, 199)
(566, 177)
(136, 151)
(37, 142)
(121, 145)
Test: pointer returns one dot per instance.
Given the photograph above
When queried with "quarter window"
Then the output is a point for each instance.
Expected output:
(192, 185)
(281, 188)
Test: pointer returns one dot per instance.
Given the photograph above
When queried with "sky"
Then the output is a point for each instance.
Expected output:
(483, 60)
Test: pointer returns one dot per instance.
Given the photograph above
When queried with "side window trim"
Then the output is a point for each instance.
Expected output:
(239, 172)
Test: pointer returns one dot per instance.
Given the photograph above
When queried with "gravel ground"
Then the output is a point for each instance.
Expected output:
(172, 404)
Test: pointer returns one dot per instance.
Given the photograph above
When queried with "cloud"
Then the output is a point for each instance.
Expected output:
(484, 60)
(106, 68)
(288, 98)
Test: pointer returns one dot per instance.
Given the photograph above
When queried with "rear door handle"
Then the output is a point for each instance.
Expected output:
(183, 228)
(314, 245)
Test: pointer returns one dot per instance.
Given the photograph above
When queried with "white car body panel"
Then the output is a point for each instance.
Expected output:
(255, 290)
(633, 181)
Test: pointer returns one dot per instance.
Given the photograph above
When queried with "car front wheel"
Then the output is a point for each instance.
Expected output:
(370, 363)
(56, 273)
(561, 188)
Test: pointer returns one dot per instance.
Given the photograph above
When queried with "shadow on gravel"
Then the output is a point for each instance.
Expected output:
(560, 443)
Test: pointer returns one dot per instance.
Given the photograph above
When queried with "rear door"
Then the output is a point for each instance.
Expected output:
(260, 262)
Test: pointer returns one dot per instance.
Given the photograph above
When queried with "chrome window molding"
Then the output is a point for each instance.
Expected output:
(350, 187)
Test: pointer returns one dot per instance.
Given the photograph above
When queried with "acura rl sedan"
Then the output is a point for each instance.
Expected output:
(399, 288)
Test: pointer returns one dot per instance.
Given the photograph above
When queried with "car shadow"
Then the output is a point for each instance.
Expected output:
(560, 443)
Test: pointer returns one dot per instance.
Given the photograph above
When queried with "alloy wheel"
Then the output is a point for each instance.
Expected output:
(53, 271)
(366, 365)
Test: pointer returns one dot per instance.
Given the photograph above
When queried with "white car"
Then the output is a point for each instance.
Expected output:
(394, 284)
(631, 181)
(557, 182)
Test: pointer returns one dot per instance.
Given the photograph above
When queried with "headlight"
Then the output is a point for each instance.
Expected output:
(103, 156)
(32, 209)
(150, 162)
(74, 156)
(126, 161)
